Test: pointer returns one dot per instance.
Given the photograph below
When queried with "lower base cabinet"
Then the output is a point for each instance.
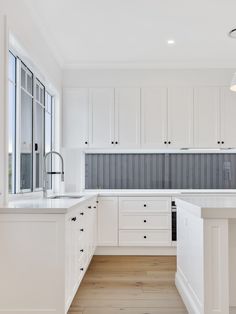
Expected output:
(81, 230)
(134, 221)
(44, 258)
(107, 221)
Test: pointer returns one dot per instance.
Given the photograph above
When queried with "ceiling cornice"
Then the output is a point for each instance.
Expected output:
(208, 64)
(46, 35)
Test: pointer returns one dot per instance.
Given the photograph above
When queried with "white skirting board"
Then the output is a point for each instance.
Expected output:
(110, 250)
(187, 295)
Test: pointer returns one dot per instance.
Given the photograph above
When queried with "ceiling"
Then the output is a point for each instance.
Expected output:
(134, 33)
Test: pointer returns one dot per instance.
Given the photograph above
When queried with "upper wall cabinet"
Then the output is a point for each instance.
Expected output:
(228, 116)
(101, 117)
(154, 117)
(206, 117)
(127, 117)
(180, 117)
(75, 117)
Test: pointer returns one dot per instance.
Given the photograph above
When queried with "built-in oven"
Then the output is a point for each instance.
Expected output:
(173, 222)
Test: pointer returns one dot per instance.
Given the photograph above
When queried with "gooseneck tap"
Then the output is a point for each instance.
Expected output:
(45, 172)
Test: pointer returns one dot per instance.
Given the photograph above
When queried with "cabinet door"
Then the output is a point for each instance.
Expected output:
(127, 117)
(206, 117)
(180, 117)
(153, 117)
(91, 212)
(101, 117)
(75, 117)
(228, 115)
(108, 221)
(71, 255)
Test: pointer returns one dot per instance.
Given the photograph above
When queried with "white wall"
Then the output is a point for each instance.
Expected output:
(25, 30)
(25, 37)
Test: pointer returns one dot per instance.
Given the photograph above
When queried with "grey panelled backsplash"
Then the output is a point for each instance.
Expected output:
(160, 171)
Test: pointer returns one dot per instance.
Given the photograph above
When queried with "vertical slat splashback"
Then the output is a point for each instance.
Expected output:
(160, 171)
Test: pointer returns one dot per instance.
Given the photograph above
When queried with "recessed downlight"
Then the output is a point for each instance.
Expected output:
(232, 33)
(171, 42)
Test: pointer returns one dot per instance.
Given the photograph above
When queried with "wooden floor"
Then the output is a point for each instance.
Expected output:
(129, 285)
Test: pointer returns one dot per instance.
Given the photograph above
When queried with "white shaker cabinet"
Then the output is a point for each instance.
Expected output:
(145, 221)
(101, 117)
(154, 117)
(228, 116)
(75, 117)
(206, 117)
(127, 117)
(107, 221)
(180, 117)
(44, 255)
(80, 244)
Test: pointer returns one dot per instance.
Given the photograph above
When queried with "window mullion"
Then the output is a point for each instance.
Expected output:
(18, 125)
(34, 117)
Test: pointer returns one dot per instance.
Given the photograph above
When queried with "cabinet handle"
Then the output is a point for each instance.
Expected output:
(82, 214)
(169, 142)
(116, 142)
(222, 142)
(145, 205)
(82, 230)
(81, 269)
(86, 142)
(218, 142)
(112, 142)
(94, 206)
(145, 220)
(73, 219)
(165, 142)
(89, 207)
(81, 250)
(145, 237)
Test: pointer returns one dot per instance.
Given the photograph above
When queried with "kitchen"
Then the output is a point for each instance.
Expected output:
(117, 157)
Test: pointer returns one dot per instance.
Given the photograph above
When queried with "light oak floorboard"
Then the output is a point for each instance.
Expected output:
(129, 285)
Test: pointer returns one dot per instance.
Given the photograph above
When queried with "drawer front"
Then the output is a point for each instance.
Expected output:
(144, 237)
(150, 204)
(144, 221)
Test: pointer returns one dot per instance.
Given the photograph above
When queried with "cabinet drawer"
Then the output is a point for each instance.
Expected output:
(151, 204)
(144, 221)
(144, 237)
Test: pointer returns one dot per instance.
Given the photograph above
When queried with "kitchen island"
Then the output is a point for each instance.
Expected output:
(206, 254)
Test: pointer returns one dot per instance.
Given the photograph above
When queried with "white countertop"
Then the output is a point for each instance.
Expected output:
(43, 205)
(209, 207)
(160, 192)
(37, 205)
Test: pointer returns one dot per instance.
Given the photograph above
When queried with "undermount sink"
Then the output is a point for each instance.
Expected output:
(55, 197)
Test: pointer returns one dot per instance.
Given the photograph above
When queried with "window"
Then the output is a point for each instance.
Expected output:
(30, 127)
